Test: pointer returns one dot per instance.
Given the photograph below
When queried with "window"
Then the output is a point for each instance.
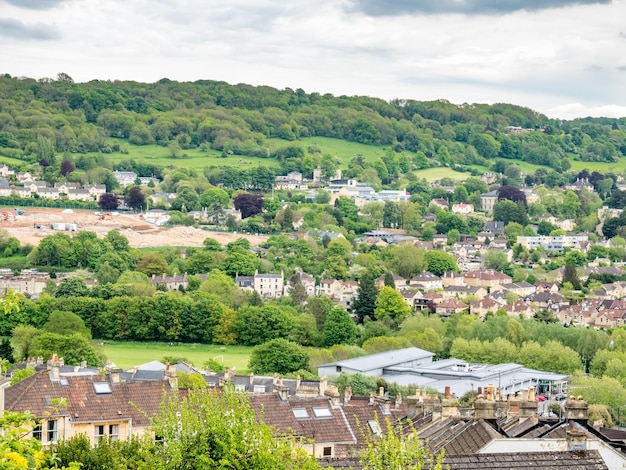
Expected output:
(259, 389)
(300, 413)
(374, 427)
(102, 387)
(38, 432)
(328, 451)
(338, 368)
(111, 431)
(52, 430)
(322, 413)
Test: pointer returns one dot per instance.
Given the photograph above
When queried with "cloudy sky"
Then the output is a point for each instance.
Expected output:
(565, 58)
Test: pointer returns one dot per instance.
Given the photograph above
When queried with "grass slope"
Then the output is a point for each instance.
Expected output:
(127, 354)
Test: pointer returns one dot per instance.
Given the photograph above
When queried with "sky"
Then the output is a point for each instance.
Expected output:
(564, 58)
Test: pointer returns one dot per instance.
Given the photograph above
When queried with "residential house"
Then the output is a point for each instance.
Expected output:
(563, 224)
(546, 287)
(452, 278)
(5, 171)
(125, 178)
(495, 227)
(519, 308)
(488, 200)
(580, 183)
(462, 292)
(330, 288)
(440, 203)
(269, 286)
(484, 306)
(522, 289)
(547, 301)
(399, 281)
(426, 281)
(486, 278)
(176, 282)
(450, 307)
(97, 406)
(5, 187)
(463, 208)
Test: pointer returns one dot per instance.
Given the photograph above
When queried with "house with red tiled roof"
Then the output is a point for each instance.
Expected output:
(519, 308)
(484, 306)
(450, 307)
(97, 406)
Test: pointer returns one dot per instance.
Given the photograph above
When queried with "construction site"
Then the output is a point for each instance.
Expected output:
(31, 225)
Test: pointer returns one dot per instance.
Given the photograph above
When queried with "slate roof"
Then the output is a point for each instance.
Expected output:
(459, 436)
(578, 460)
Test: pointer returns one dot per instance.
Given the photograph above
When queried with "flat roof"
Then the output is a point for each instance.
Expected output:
(387, 358)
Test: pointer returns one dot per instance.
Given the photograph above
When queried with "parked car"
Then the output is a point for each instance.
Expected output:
(540, 398)
(560, 396)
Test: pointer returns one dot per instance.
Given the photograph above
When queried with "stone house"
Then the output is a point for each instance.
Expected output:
(269, 286)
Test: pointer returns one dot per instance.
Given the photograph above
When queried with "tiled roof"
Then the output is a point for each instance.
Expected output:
(135, 400)
(279, 414)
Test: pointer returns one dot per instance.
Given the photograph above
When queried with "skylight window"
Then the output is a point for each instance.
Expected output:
(300, 413)
(374, 427)
(102, 387)
(322, 413)
(64, 382)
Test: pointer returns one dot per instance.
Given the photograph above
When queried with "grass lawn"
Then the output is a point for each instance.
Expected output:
(127, 354)
(601, 167)
(431, 174)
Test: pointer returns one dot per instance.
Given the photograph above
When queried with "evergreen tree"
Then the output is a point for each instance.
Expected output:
(570, 275)
(389, 282)
(365, 303)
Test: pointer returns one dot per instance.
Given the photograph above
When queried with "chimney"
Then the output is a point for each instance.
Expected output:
(171, 375)
(449, 406)
(528, 406)
(298, 380)
(414, 405)
(332, 393)
(432, 405)
(372, 398)
(54, 367)
(114, 372)
(83, 363)
(323, 384)
(281, 390)
(233, 372)
(251, 379)
(484, 409)
(576, 409)
(347, 395)
(398, 401)
(576, 440)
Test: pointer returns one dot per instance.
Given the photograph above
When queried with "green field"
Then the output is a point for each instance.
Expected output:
(127, 354)
(432, 174)
(601, 167)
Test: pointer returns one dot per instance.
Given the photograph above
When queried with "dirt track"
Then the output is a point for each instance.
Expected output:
(139, 233)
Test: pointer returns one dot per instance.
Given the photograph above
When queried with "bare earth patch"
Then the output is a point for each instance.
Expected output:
(139, 233)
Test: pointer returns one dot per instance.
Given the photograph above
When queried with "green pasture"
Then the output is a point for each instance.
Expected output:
(600, 167)
(127, 354)
(432, 174)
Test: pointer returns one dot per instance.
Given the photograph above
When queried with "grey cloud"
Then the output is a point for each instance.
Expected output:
(467, 7)
(621, 68)
(11, 28)
(35, 4)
